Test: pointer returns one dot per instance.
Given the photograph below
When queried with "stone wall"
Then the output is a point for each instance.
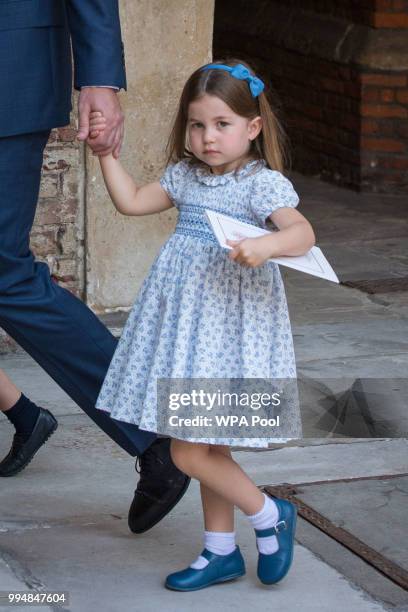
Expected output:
(340, 72)
(165, 40)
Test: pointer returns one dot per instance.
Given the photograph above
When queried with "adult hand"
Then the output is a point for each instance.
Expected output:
(106, 101)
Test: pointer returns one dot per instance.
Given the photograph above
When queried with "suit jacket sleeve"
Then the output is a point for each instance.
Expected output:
(96, 42)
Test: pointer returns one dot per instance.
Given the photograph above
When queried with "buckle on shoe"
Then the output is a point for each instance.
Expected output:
(280, 526)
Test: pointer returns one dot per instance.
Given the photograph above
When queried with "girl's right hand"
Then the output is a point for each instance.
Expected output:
(250, 252)
(97, 124)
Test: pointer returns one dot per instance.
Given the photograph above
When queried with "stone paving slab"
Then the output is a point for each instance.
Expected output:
(374, 511)
(13, 578)
(357, 506)
(33, 380)
(327, 462)
(365, 366)
(364, 236)
(64, 521)
(79, 452)
(351, 566)
(104, 568)
(394, 248)
(314, 301)
(361, 261)
(342, 340)
(354, 408)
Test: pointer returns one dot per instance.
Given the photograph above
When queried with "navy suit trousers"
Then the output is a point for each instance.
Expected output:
(59, 331)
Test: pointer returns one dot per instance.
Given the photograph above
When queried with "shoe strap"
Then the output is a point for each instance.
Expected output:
(265, 533)
(207, 554)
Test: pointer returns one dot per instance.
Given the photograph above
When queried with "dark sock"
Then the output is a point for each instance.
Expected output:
(23, 415)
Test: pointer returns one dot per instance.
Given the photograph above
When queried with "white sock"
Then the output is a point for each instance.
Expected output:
(217, 542)
(264, 519)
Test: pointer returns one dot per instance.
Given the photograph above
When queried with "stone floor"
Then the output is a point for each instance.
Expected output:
(63, 520)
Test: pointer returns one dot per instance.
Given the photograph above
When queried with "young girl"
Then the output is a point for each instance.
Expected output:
(203, 312)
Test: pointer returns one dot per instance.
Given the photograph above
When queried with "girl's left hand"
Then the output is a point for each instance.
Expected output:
(250, 252)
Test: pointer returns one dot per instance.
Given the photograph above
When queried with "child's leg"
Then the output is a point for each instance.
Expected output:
(218, 512)
(225, 485)
(219, 472)
(219, 534)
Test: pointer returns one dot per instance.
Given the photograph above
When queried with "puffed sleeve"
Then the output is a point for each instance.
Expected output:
(173, 180)
(270, 191)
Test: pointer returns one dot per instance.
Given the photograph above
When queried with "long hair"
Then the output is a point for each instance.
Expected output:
(269, 145)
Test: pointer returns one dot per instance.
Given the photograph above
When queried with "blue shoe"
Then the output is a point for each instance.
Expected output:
(219, 569)
(272, 568)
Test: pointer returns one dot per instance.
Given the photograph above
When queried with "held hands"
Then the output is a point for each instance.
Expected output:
(250, 252)
(106, 137)
(97, 124)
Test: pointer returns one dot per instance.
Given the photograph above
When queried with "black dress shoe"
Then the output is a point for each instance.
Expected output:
(160, 487)
(23, 449)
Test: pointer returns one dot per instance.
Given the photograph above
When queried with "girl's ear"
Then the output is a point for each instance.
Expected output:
(254, 127)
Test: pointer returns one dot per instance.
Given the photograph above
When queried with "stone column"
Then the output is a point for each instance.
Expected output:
(165, 40)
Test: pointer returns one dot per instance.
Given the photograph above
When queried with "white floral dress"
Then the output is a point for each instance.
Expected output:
(199, 314)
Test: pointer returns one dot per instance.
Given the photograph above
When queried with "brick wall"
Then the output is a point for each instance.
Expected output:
(339, 71)
(384, 130)
(374, 13)
(57, 235)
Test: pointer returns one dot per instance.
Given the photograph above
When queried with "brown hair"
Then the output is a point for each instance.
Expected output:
(269, 145)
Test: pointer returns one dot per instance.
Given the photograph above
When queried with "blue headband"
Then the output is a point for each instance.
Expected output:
(242, 73)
